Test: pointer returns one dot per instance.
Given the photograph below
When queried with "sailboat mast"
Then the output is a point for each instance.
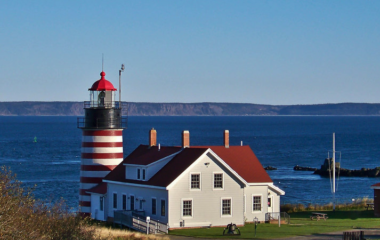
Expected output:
(333, 165)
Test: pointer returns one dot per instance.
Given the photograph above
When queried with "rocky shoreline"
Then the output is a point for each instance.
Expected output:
(326, 170)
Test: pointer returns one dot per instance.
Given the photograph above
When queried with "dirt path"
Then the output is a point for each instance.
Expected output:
(368, 234)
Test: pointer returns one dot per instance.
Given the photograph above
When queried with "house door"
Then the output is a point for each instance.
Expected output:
(270, 204)
(99, 213)
(141, 205)
(132, 202)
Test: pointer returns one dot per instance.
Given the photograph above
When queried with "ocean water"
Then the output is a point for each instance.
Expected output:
(52, 164)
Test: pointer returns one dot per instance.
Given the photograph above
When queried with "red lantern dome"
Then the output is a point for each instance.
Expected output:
(102, 84)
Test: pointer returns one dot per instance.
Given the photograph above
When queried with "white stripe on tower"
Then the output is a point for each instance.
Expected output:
(102, 151)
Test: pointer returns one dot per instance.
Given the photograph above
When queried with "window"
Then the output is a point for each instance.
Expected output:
(124, 202)
(138, 173)
(141, 204)
(163, 210)
(115, 200)
(132, 202)
(187, 207)
(101, 203)
(195, 181)
(226, 206)
(269, 202)
(143, 174)
(154, 206)
(256, 203)
(218, 180)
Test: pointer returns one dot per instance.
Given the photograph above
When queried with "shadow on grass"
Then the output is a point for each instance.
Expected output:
(339, 214)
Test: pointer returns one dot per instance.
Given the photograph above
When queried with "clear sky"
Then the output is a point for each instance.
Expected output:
(269, 52)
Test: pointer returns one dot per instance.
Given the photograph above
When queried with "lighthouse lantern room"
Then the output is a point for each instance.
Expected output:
(102, 139)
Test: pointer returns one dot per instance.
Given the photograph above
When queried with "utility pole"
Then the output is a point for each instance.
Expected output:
(333, 165)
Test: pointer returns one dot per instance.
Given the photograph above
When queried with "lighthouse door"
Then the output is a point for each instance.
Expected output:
(270, 204)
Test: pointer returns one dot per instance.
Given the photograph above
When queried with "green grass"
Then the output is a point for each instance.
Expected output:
(300, 224)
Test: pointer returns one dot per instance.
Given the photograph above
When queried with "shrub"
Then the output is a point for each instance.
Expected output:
(360, 203)
(24, 217)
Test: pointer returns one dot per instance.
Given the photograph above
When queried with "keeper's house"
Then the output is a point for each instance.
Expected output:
(188, 186)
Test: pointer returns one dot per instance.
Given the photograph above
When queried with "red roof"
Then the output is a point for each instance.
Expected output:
(240, 158)
(146, 155)
(376, 185)
(102, 84)
(101, 188)
(243, 161)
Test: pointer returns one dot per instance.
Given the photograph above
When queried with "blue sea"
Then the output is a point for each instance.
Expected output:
(52, 163)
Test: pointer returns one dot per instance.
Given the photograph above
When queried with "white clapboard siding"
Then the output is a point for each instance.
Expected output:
(207, 201)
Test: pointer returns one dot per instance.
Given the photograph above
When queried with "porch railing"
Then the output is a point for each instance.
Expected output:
(274, 216)
(137, 221)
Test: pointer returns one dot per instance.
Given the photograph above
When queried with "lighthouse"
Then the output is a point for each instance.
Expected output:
(102, 137)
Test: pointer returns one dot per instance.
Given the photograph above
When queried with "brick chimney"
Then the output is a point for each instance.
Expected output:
(152, 137)
(185, 139)
(226, 138)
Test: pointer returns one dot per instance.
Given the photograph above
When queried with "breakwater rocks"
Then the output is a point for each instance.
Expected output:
(299, 168)
(270, 168)
(363, 172)
(327, 168)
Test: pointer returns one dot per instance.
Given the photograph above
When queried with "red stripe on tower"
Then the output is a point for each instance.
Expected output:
(102, 133)
(102, 144)
(97, 167)
(101, 155)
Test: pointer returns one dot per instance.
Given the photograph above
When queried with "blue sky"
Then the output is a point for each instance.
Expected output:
(268, 52)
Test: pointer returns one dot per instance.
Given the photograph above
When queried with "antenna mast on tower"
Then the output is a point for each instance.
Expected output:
(121, 70)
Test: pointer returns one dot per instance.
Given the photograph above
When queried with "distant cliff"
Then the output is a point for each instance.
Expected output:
(191, 109)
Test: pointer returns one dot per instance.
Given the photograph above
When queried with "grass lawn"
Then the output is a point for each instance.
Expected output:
(300, 224)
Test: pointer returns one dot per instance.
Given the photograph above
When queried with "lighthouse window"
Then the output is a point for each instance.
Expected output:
(138, 173)
(143, 173)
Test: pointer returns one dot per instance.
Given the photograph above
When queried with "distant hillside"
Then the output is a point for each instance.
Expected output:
(190, 109)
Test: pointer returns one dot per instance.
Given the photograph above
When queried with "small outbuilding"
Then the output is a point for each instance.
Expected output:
(376, 199)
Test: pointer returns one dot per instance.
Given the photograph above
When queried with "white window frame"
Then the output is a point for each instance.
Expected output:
(130, 200)
(126, 201)
(151, 205)
(270, 198)
(200, 181)
(261, 203)
(113, 200)
(192, 208)
(221, 206)
(166, 209)
(138, 170)
(141, 203)
(213, 181)
(101, 203)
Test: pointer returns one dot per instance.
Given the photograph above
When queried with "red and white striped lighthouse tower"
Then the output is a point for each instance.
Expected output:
(102, 138)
